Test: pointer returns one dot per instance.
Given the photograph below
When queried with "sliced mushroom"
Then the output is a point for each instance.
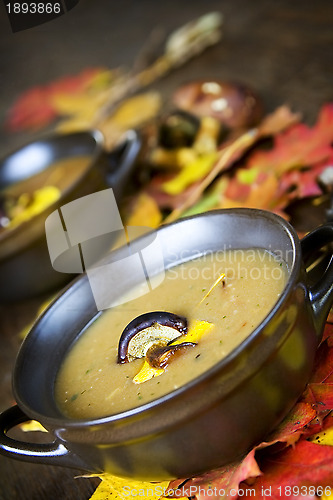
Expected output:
(160, 357)
(156, 328)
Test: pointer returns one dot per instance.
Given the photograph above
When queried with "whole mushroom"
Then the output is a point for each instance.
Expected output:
(235, 105)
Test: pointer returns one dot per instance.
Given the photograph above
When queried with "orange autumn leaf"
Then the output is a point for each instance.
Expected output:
(220, 483)
(145, 212)
(34, 108)
(259, 195)
(298, 472)
(299, 146)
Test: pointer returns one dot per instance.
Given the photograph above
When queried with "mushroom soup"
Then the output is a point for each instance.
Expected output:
(149, 346)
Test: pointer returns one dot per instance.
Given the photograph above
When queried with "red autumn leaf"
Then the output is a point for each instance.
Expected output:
(323, 364)
(165, 200)
(213, 484)
(298, 146)
(320, 396)
(301, 183)
(33, 109)
(73, 83)
(291, 428)
(328, 331)
(318, 425)
(284, 474)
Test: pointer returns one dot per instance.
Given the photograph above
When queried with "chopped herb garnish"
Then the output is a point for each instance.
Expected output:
(74, 397)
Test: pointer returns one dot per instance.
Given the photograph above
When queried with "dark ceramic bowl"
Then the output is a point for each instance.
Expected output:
(211, 420)
(25, 266)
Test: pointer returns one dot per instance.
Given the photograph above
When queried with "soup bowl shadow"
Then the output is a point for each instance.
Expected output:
(215, 418)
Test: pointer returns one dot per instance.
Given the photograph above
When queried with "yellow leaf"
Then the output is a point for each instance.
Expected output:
(26, 209)
(324, 437)
(137, 110)
(145, 212)
(146, 373)
(102, 79)
(172, 158)
(69, 104)
(115, 488)
(32, 425)
(191, 173)
(195, 332)
(73, 125)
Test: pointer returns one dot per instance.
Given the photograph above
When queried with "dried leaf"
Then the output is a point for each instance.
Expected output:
(31, 111)
(115, 488)
(137, 110)
(145, 212)
(291, 428)
(220, 483)
(191, 173)
(323, 364)
(147, 372)
(195, 332)
(320, 396)
(284, 474)
(32, 426)
(259, 195)
(211, 198)
(281, 119)
(133, 112)
(299, 146)
(34, 109)
(324, 437)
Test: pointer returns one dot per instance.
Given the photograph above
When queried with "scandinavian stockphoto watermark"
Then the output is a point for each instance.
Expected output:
(79, 236)
(216, 492)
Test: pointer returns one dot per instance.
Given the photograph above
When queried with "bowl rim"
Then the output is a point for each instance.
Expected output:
(68, 423)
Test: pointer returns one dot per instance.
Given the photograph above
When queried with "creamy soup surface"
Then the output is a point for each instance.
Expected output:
(92, 384)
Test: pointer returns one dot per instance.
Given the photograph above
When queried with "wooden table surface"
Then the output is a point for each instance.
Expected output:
(281, 48)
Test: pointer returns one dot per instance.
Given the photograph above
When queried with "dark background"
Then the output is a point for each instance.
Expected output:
(282, 48)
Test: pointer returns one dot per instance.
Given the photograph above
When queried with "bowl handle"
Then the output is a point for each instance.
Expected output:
(121, 162)
(321, 291)
(54, 453)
